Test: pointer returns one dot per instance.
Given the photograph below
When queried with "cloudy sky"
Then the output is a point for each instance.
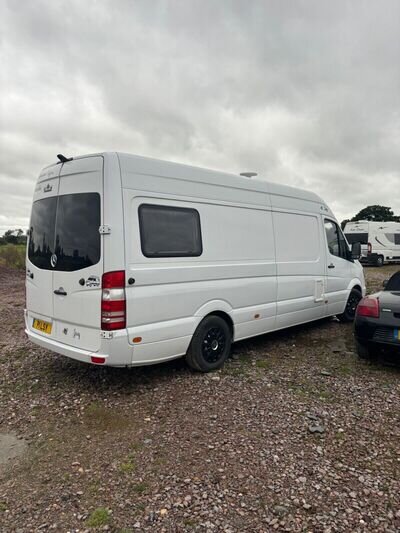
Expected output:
(306, 93)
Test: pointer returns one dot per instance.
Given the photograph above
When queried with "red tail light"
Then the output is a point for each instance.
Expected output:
(369, 248)
(113, 301)
(368, 306)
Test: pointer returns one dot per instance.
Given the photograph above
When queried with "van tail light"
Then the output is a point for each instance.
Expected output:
(368, 306)
(369, 248)
(113, 301)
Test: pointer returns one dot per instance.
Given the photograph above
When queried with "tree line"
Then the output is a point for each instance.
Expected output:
(376, 213)
(13, 236)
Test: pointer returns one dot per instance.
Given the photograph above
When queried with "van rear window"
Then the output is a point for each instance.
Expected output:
(67, 228)
(362, 238)
(167, 231)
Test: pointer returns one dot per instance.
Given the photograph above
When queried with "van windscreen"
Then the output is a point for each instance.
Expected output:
(66, 227)
(362, 238)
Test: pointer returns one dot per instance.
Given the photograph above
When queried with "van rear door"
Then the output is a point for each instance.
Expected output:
(78, 254)
(39, 275)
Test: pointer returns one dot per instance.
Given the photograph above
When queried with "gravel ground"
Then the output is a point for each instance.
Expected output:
(294, 434)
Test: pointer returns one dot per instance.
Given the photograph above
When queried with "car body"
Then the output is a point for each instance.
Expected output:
(380, 241)
(129, 257)
(377, 322)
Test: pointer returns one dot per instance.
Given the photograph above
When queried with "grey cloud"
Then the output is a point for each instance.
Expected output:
(305, 93)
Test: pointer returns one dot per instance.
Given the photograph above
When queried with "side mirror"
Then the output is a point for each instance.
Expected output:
(356, 250)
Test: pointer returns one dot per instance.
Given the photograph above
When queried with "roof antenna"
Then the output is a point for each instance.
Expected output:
(248, 174)
(64, 159)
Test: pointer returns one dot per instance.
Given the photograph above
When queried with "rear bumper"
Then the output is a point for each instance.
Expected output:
(115, 352)
(375, 332)
(63, 349)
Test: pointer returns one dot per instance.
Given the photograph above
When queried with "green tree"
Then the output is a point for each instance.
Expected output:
(378, 213)
(344, 222)
(13, 236)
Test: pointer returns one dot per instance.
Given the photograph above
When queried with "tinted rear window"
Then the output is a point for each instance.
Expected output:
(167, 231)
(67, 226)
(357, 237)
(41, 235)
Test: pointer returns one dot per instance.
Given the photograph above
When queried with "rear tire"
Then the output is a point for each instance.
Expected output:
(210, 345)
(379, 261)
(349, 313)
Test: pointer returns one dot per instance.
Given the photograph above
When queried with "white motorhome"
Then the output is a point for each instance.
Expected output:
(380, 241)
(134, 261)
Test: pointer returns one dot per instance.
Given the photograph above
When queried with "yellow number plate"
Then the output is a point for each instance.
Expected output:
(41, 325)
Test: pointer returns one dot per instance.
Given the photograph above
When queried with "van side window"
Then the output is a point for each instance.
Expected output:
(336, 242)
(167, 231)
(397, 238)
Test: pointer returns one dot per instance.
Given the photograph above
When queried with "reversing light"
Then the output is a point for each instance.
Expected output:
(113, 301)
(368, 306)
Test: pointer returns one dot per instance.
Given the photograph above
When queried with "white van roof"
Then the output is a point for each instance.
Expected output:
(281, 195)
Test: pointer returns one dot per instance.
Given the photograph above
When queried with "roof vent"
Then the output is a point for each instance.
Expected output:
(248, 174)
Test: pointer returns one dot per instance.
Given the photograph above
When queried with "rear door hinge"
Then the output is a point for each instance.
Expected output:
(104, 230)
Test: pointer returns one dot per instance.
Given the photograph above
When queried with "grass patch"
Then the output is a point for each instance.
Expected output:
(140, 488)
(102, 418)
(240, 367)
(98, 518)
(13, 255)
(262, 363)
(127, 467)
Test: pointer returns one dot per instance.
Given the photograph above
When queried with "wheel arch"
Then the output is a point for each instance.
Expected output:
(356, 283)
(219, 308)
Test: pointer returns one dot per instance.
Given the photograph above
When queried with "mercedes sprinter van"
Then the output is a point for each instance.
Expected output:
(133, 261)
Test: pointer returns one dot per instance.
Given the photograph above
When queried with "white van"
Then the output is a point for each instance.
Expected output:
(133, 261)
(380, 241)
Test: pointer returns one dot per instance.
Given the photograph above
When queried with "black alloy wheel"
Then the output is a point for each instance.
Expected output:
(210, 345)
(213, 344)
(351, 306)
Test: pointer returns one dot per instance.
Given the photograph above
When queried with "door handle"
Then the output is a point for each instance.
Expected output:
(331, 265)
(60, 292)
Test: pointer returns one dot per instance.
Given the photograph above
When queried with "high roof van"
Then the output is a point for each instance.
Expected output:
(133, 261)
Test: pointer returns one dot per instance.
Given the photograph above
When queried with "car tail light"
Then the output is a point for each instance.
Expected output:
(368, 306)
(113, 301)
(369, 248)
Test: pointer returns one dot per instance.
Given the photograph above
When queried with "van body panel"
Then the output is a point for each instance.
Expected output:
(113, 215)
(300, 260)
(162, 285)
(253, 251)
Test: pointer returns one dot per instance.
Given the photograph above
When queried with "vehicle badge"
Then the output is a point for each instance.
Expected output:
(77, 335)
(93, 281)
(48, 188)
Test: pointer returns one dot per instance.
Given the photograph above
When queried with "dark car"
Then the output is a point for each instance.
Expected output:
(377, 322)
